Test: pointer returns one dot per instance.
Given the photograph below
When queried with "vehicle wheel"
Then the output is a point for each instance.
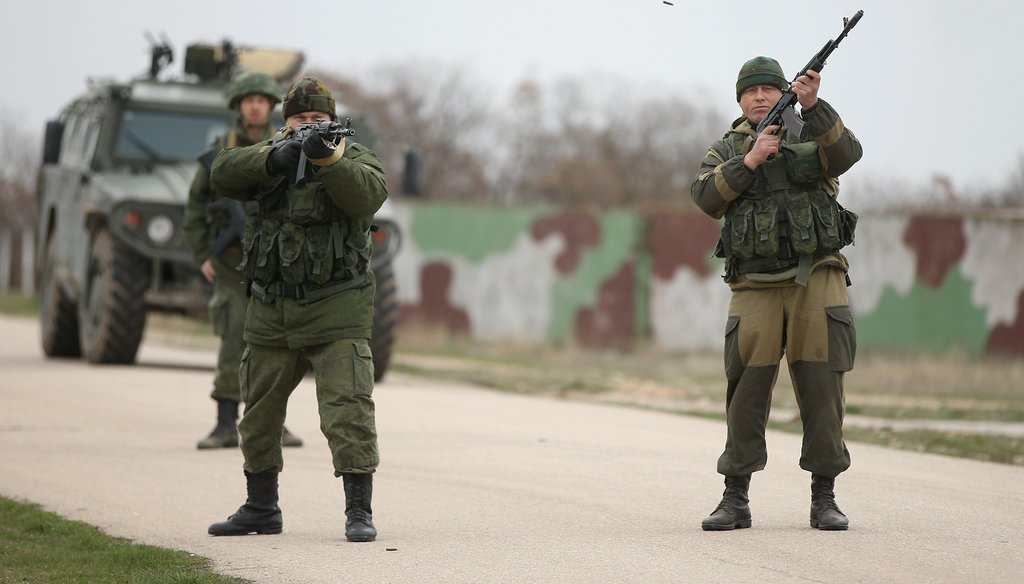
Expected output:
(385, 319)
(112, 311)
(57, 315)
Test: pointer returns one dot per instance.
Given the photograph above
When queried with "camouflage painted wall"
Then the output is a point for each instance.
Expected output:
(607, 279)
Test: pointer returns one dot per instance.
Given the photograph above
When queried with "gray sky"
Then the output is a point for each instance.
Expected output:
(925, 85)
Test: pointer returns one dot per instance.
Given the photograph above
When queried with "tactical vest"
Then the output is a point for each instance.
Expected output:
(298, 244)
(789, 213)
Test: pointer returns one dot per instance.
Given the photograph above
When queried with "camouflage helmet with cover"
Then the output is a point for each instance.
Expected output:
(253, 83)
(308, 94)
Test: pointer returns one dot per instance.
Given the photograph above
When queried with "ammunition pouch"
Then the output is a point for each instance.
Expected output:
(785, 215)
(297, 247)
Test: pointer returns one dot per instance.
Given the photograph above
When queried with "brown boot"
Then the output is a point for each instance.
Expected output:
(225, 433)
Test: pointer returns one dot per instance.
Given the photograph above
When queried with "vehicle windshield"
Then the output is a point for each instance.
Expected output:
(162, 136)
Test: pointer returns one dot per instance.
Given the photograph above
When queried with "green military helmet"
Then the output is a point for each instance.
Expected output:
(253, 83)
(308, 94)
(760, 71)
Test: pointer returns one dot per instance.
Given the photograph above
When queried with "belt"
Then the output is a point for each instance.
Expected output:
(303, 293)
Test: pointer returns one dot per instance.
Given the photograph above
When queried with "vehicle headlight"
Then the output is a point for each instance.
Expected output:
(160, 229)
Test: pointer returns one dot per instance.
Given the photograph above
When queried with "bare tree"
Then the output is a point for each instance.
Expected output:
(581, 143)
(1011, 194)
(19, 161)
(437, 110)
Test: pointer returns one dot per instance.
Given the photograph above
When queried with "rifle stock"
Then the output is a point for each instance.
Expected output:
(235, 231)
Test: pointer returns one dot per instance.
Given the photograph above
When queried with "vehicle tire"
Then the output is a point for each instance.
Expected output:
(112, 311)
(385, 319)
(58, 316)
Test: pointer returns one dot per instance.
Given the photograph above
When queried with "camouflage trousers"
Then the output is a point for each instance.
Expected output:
(344, 391)
(813, 327)
(227, 313)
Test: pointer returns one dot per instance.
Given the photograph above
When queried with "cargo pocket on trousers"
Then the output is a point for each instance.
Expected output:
(733, 360)
(842, 338)
(362, 369)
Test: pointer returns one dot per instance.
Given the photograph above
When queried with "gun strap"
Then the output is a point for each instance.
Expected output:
(803, 269)
(206, 158)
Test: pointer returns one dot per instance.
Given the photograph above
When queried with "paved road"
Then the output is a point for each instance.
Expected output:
(480, 486)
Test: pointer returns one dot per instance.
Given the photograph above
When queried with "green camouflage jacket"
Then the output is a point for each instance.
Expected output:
(355, 187)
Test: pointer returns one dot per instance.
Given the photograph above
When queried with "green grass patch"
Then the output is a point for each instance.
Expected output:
(537, 380)
(940, 413)
(18, 304)
(987, 447)
(39, 546)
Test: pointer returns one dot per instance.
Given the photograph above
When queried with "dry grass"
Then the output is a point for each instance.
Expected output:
(904, 401)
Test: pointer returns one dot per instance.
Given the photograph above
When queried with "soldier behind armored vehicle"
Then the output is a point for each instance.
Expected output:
(213, 228)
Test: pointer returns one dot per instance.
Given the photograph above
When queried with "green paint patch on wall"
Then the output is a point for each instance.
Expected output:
(469, 232)
(619, 233)
(927, 318)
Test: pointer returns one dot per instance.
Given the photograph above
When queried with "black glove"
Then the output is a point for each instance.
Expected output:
(315, 147)
(284, 158)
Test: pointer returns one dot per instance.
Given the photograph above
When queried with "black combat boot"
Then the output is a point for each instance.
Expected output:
(733, 512)
(358, 493)
(288, 439)
(225, 433)
(825, 514)
(260, 514)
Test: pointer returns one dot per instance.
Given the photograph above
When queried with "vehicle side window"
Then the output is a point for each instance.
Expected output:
(76, 142)
(71, 129)
(92, 137)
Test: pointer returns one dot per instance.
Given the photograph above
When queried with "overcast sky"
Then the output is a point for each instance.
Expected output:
(926, 85)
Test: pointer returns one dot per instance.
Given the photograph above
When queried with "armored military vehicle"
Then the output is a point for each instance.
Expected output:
(116, 170)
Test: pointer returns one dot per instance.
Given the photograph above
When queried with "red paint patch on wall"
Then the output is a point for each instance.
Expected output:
(681, 239)
(434, 309)
(579, 228)
(1008, 339)
(610, 323)
(939, 244)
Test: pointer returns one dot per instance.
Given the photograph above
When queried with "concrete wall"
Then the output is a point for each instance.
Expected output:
(607, 279)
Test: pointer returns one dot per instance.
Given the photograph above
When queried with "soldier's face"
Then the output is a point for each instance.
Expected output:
(294, 121)
(255, 110)
(758, 100)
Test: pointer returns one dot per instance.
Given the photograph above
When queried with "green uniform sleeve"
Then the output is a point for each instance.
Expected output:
(720, 180)
(195, 227)
(839, 147)
(237, 171)
(355, 182)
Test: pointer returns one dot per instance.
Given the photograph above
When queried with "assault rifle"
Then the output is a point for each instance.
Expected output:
(784, 114)
(333, 132)
(235, 231)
